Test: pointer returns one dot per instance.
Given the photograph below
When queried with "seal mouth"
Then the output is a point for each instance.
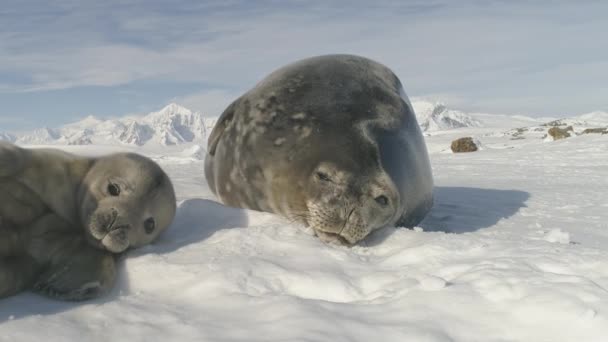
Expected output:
(107, 231)
(336, 237)
(115, 241)
(333, 238)
(100, 224)
(346, 221)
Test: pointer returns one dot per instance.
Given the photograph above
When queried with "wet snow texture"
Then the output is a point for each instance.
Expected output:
(515, 249)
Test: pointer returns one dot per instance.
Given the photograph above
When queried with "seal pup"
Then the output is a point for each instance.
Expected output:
(64, 219)
(329, 141)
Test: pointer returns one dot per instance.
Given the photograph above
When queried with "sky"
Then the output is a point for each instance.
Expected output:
(63, 60)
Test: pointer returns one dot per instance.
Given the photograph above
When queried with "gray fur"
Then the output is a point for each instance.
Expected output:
(61, 229)
(329, 141)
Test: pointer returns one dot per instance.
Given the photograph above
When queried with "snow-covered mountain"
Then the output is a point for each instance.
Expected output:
(40, 136)
(7, 137)
(435, 116)
(596, 118)
(172, 125)
(175, 125)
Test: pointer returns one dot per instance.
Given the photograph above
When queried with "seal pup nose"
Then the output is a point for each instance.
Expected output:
(120, 226)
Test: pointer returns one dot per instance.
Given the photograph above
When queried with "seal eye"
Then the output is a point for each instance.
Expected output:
(149, 225)
(113, 189)
(382, 200)
(323, 176)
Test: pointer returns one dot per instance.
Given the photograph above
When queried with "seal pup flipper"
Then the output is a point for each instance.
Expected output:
(12, 159)
(220, 126)
(87, 273)
(73, 269)
(17, 273)
(9, 238)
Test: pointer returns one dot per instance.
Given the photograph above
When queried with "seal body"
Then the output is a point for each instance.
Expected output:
(65, 218)
(329, 141)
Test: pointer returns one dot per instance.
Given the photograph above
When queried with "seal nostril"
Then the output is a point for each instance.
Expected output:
(382, 200)
(121, 227)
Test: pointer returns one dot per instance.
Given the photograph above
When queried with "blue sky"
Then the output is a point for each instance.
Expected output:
(66, 59)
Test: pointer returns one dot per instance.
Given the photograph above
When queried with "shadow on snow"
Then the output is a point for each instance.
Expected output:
(456, 210)
(464, 210)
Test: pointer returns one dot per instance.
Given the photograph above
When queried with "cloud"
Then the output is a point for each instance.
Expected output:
(482, 53)
(211, 103)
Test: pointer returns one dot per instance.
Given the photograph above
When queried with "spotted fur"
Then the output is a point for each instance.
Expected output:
(329, 141)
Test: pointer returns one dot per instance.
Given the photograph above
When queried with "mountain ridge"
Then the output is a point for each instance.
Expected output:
(176, 125)
(172, 125)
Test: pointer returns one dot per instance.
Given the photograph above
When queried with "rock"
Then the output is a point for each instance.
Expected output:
(560, 133)
(555, 123)
(596, 130)
(518, 134)
(465, 144)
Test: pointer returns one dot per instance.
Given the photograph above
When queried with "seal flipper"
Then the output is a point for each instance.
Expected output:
(73, 269)
(220, 126)
(17, 274)
(413, 218)
(12, 159)
(87, 273)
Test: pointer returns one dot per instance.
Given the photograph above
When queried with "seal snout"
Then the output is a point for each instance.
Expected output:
(376, 206)
(115, 236)
(110, 228)
(116, 223)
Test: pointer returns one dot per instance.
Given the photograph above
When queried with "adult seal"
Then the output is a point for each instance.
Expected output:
(329, 141)
(65, 218)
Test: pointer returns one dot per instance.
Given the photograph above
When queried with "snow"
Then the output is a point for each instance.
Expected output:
(515, 249)
(557, 235)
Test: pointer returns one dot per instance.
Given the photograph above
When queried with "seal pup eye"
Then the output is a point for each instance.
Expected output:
(382, 200)
(113, 189)
(323, 176)
(149, 225)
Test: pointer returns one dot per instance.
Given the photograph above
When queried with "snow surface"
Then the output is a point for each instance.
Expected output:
(515, 249)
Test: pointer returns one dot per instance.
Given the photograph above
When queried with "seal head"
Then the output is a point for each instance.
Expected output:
(126, 201)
